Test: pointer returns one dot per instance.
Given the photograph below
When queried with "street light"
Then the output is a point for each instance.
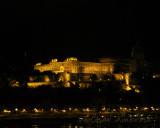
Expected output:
(16, 109)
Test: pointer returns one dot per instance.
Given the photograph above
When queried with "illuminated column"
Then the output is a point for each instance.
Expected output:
(127, 78)
(111, 68)
(107, 68)
(61, 68)
(46, 78)
(67, 79)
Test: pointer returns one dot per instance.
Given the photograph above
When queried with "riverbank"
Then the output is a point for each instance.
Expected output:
(49, 118)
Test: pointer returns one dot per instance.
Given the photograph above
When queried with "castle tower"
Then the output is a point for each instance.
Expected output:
(138, 51)
(138, 55)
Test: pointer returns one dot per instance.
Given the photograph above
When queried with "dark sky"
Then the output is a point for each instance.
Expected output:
(84, 28)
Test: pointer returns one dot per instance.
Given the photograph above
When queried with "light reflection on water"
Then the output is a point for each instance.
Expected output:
(152, 125)
(104, 126)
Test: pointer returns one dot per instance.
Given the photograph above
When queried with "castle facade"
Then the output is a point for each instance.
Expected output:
(72, 70)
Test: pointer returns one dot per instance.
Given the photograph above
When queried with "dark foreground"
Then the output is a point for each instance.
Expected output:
(69, 122)
(28, 124)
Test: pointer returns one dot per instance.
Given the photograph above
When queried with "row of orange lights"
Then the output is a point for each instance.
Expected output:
(87, 109)
(42, 110)
(142, 108)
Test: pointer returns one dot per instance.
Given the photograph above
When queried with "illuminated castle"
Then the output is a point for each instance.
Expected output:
(72, 65)
(72, 70)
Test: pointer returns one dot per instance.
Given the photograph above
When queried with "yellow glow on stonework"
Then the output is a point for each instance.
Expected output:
(91, 67)
(73, 65)
(47, 79)
(136, 90)
(38, 64)
(72, 59)
(127, 88)
(54, 60)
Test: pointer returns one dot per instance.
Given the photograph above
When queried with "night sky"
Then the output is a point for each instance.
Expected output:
(84, 28)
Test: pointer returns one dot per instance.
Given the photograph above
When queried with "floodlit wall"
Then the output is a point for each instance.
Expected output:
(76, 66)
(37, 84)
(71, 70)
